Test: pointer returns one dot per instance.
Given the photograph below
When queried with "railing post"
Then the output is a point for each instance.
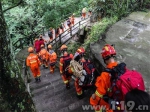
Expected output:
(79, 24)
(43, 31)
(71, 31)
(55, 44)
(60, 38)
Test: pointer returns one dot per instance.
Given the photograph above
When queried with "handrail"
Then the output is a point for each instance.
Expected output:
(56, 42)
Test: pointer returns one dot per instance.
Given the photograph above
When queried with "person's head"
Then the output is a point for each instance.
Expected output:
(49, 46)
(137, 101)
(63, 48)
(65, 53)
(42, 46)
(40, 36)
(108, 54)
(30, 50)
(79, 53)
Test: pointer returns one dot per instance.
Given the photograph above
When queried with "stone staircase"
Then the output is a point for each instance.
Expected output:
(50, 95)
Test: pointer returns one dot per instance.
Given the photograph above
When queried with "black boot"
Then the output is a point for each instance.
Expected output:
(80, 96)
(39, 80)
(67, 86)
(36, 79)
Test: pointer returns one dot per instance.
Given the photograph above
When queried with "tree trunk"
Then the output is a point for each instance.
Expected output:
(12, 87)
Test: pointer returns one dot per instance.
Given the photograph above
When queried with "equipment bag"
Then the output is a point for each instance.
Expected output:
(124, 80)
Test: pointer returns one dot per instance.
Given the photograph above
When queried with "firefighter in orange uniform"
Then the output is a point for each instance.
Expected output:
(72, 20)
(65, 70)
(52, 58)
(103, 82)
(88, 77)
(84, 13)
(44, 55)
(33, 62)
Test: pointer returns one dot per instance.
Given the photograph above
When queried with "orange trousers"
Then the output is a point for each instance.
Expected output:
(84, 15)
(66, 78)
(35, 71)
(52, 68)
(44, 62)
(78, 88)
(99, 104)
(72, 23)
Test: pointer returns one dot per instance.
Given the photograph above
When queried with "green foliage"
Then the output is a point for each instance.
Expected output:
(119, 8)
(98, 28)
(56, 12)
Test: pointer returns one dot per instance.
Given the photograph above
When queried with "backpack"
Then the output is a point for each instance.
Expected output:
(90, 70)
(88, 67)
(50, 33)
(68, 22)
(66, 60)
(124, 80)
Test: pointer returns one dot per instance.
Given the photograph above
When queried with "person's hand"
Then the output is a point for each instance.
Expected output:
(61, 73)
(93, 96)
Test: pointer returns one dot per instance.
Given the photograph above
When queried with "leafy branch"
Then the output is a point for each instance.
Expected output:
(21, 1)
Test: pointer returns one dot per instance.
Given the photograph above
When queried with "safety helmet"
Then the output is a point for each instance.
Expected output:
(42, 46)
(50, 46)
(63, 47)
(30, 49)
(81, 50)
(108, 51)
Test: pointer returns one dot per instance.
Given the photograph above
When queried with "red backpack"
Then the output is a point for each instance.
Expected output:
(124, 80)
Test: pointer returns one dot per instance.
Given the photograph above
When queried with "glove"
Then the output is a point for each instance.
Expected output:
(93, 96)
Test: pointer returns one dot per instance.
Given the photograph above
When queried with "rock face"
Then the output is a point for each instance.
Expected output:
(131, 37)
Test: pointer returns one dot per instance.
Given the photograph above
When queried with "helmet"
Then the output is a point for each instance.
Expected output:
(108, 51)
(50, 46)
(30, 49)
(63, 47)
(42, 46)
(81, 50)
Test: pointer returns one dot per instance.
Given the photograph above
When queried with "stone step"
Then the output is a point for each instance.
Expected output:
(50, 92)
(45, 78)
(47, 87)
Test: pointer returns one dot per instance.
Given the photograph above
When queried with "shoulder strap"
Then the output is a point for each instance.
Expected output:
(117, 71)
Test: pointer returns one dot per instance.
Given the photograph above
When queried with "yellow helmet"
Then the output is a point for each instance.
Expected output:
(50, 46)
(63, 47)
(30, 49)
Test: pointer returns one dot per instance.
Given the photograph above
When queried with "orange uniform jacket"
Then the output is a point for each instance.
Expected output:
(52, 57)
(62, 62)
(103, 85)
(33, 60)
(44, 54)
(72, 20)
